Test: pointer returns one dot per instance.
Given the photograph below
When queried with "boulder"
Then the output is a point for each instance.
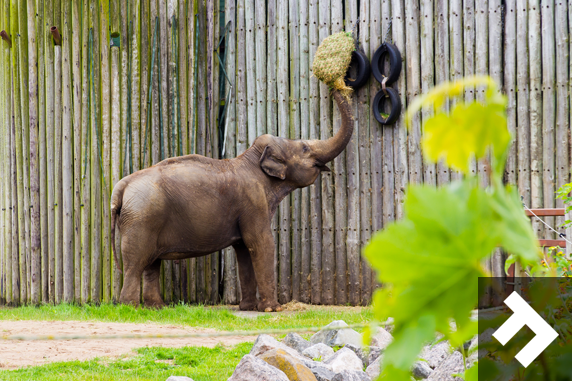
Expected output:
(337, 337)
(436, 354)
(373, 370)
(252, 368)
(344, 359)
(365, 355)
(318, 351)
(179, 378)
(322, 372)
(476, 353)
(265, 343)
(452, 365)
(381, 339)
(297, 342)
(351, 375)
(374, 353)
(292, 367)
(421, 370)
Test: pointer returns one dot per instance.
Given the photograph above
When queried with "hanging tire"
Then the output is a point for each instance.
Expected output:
(377, 63)
(379, 101)
(361, 63)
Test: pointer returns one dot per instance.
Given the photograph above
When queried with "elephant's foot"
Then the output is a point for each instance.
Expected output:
(269, 306)
(127, 300)
(248, 305)
(158, 304)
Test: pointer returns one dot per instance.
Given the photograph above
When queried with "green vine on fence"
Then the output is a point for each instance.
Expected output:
(430, 261)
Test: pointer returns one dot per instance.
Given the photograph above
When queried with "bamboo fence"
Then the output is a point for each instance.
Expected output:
(123, 85)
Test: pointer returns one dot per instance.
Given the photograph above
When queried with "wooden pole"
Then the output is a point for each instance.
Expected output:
(305, 227)
(77, 142)
(510, 89)
(15, 205)
(294, 111)
(86, 158)
(35, 232)
(3, 176)
(250, 32)
(456, 51)
(426, 19)
(9, 237)
(442, 69)
(138, 68)
(316, 189)
(67, 157)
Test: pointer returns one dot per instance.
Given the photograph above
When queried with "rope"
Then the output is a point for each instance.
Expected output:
(149, 92)
(181, 335)
(561, 235)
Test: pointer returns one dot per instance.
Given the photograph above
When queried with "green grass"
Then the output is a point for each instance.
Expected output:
(197, 316)
(199, 363)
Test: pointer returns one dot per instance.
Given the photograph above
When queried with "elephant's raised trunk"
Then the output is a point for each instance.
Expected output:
(327, 150)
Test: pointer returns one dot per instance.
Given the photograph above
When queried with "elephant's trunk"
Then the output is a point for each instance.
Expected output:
(327, 150)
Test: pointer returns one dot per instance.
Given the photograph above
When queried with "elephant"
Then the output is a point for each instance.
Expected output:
(190, 206)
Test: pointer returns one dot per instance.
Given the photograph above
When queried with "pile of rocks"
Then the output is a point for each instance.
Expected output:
(316, 360)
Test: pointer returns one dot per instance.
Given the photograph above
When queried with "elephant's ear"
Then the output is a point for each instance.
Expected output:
(272, 163)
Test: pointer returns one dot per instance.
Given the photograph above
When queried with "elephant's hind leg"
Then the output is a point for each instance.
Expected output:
(247, 278)
(131, 291)
(151, 290)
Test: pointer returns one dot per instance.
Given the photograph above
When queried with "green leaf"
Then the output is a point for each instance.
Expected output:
(472, 374)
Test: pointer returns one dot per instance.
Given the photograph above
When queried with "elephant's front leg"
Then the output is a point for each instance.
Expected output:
(247, 278)
(257, 237)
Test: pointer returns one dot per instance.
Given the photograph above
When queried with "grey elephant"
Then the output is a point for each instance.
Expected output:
(192, 205)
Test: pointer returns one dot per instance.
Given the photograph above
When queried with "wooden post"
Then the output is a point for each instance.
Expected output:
(316, 189)
(510, 88)
(76, 59)
(155, 142)
(67, 157)
(456, 52)
(250, 32)
(35, 240)
(427, 52)
(294, 116)
(442, 69)
(469, 56)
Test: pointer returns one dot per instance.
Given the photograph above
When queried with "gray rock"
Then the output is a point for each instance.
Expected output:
(179, 378)
(436, 354)
(344, 359)
(318, 351)
(453, 364)
(381, 339)
(252, 368)
(362, 353)
(421, 370)
(297, 342)
(373, 370)
(264, 343)
(321, 371)
(351, 375)
(337, 337)
(374, 353)
(476, 353)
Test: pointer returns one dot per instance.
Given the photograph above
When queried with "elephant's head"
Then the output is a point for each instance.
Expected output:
(299, 162)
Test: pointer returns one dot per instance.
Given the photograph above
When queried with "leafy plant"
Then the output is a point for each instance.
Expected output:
(563, 193)
(430, 261)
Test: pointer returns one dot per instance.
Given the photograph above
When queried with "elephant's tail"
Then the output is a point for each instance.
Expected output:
(116, 202)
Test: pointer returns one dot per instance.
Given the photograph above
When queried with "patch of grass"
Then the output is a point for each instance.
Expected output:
(199, 363)
(220, 318)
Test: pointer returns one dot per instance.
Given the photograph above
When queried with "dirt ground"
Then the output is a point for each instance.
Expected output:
(17, 354)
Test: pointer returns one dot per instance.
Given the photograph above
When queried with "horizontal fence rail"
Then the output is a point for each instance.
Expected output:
(118, 86)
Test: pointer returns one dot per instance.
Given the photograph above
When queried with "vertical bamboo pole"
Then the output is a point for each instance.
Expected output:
(230, 295)
(400, 149)
(67, 157)
(456, 51)
(340, 185)
(119, 107)
(144, 39)
(163, 53)
(562, 99)
(426, 19)
(365, 143)
(137, 67)
(182, 76)
(413, 88)
(535, 111)
(85, 158)
(191, 117)
(50, 133)
(24, 105)
(3, 176)
(469, 54)
(77, 143)
(250, 35)
(294, 100)
(15, 205)
(316, 189)
(482, 67)
(327, 181)
(548, 107)
(35, 241)
(510, 88)
(104, 42)
(305, 253)
(96, 162)
(442, 59)
(9, 237)
(282, 64)
(20, 254)
(59, 219)
(155, 143)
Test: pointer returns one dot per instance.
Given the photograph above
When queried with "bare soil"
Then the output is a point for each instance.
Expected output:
(17, 354)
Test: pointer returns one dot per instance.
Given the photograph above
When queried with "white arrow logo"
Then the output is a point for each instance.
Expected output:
(525, 315)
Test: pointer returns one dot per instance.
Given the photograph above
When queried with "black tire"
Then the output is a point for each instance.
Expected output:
(380, 99)
(359, 60)
(394, 63)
